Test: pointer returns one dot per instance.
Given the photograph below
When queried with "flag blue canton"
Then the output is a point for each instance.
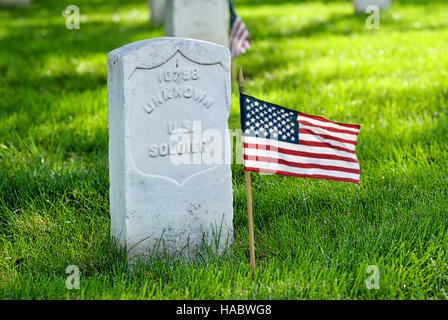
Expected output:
(232, 13)
(266, 120)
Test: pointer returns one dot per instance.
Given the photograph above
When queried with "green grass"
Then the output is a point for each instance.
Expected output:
(314, 239)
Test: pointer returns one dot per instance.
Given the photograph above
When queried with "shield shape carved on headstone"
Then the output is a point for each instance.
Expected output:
(177, 99)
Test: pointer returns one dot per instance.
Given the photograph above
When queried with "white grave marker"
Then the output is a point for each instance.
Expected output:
(206, 20)
(170, 176)
(157, 8)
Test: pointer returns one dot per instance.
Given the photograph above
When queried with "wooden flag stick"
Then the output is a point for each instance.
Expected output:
(248, 195)
(234, 73)
(251, 221)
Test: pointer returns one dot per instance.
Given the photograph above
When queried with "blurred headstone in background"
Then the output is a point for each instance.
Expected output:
(361, 5)
(157, 8)
(15, 3)
(206, 20)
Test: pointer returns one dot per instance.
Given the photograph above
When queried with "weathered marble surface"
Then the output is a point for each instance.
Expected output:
(160, 90)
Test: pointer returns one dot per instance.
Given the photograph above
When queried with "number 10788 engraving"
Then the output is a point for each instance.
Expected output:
(177, 75)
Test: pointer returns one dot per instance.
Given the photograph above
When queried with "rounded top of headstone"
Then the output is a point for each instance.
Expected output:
(151, 53)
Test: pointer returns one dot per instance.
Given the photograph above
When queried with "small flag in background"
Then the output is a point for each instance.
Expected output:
(239, 36)
(283, 141)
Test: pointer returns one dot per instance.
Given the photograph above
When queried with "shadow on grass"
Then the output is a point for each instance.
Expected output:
(37, 39)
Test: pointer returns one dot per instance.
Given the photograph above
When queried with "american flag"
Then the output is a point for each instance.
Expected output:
(239, 36)
(286, 142)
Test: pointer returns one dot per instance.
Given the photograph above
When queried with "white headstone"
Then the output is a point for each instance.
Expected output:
(362, 5)
(170, 176)
(157, 8)
(206, 20)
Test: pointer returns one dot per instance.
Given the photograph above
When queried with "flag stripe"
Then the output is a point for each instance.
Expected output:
(325, 145)
(286, 173)
(315, 138)
(279, 159)
(326, 128)
(275, 168)
(302, 146)
(235, 26)
(244, 37)
(300, 159)
(328, 122)
(299, 153)
(336, 135)
(326, 136)
(243, 33)
(240, 30)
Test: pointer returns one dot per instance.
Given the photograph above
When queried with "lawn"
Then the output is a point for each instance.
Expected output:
(314, 239)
